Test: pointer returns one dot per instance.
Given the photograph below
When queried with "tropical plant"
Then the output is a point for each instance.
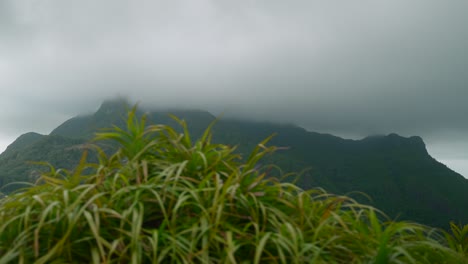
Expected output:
(458, 238)
(166, 198)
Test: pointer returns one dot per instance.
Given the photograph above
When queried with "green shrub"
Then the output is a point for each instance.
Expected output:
(458, 238)
(163, 198)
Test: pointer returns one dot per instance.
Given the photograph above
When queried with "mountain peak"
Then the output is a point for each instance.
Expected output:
(109, 107)
(24, 141)
(413, 141)
(394, 141)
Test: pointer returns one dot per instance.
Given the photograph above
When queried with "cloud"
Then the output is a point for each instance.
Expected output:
(351, 68)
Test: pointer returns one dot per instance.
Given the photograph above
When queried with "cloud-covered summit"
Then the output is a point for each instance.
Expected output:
(350, 68)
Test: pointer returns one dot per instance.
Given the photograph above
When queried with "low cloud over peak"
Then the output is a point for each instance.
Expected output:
(348, 68)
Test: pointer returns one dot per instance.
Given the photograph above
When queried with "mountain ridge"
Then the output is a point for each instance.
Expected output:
(397, 172)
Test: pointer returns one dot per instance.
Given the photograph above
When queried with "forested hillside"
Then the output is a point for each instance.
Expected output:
(396, 173)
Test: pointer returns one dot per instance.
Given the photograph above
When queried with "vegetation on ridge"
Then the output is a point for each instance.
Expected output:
(402, 179)
(165, 198)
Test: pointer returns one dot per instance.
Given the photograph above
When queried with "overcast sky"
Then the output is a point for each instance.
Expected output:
(351, 68)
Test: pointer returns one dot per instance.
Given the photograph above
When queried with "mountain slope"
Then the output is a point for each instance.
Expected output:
(17, 162)
(23, 141)
(397, 173)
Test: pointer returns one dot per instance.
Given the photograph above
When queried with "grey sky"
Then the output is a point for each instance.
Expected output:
(351, 68)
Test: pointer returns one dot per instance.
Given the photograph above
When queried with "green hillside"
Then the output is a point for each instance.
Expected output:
(396, 173)
(165, 197)
(17, 162)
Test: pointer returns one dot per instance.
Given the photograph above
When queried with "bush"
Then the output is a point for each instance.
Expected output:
(163, 198)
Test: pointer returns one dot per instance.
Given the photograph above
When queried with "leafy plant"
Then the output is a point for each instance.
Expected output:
(458, 238)
(166, 198)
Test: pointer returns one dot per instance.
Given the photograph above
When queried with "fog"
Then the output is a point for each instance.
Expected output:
(351, 68)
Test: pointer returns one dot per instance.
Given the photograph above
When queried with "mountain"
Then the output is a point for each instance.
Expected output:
(111, 112)
(23, 141)
(397, 173)
(16, 162)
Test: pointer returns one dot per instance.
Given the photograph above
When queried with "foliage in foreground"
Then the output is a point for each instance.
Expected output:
(164, 198)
